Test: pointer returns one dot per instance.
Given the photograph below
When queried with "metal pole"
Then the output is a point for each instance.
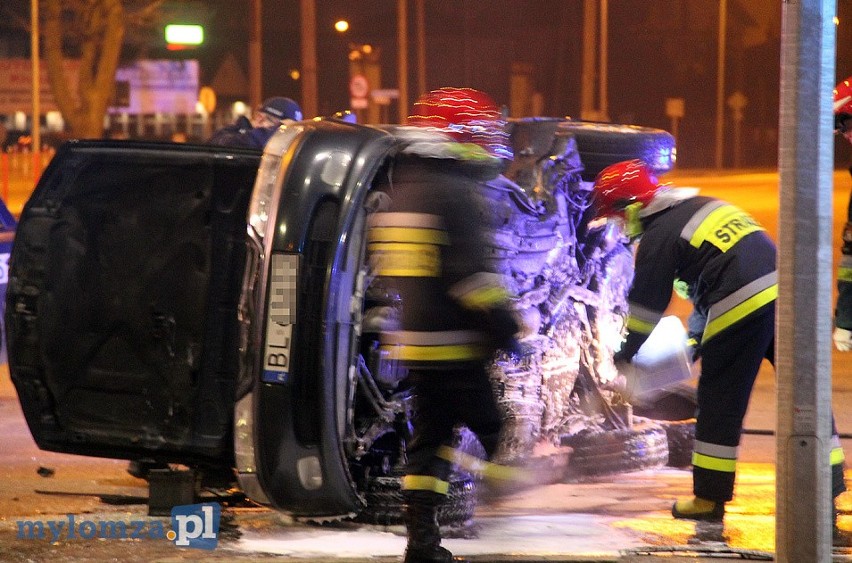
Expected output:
(587, 83)
(803, 352)
(421, 46)
(255, 56)
(34, 47)
(604, 93)
(720, 83)
(402, 30)
(309, 58)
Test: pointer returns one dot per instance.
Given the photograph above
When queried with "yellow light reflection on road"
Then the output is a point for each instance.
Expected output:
(749, 519)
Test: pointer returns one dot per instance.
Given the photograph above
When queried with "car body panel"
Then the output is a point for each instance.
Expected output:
(301, 462)
(123, 289)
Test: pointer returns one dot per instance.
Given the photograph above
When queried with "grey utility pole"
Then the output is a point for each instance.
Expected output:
(803, 487)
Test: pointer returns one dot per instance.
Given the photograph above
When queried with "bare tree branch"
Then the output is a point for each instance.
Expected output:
(145, 15)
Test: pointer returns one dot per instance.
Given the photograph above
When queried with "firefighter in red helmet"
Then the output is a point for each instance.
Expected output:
(843, 309)
(725, 262)
(426, 246)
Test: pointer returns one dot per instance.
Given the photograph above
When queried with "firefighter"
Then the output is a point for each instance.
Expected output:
(266, 119)
(843, 310)
(427, 246)
(725, 261)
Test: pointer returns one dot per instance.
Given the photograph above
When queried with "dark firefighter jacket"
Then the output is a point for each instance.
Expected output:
(724, 257)
(428, 247)
(242, 134)
(843, 311)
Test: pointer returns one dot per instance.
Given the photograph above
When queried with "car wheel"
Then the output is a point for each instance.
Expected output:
(681, 437)
(598, 452)
(603, 144)
(674, 410)
(385, 503)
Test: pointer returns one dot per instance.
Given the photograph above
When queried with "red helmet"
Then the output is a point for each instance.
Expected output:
(842, 104)
(467, 115)
(622, 184)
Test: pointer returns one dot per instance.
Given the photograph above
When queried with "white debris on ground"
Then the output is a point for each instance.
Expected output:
(529, 535)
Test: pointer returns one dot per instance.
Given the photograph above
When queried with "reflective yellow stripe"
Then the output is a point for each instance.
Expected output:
(638, 325)
(837, 457)
(739, 312)
(408, 234)
(481, 290)
(432, 337)
(714, 463)
(484, 298)
(425, 483)
(405, 259)
(406, 220)
(642, 319)
(724, 227)
(464, 460)
(698, 218)
(844, 269)
(479, 466)
(456, 352)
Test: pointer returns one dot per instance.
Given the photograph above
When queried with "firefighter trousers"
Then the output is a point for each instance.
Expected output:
(443, 399)
(730, 362)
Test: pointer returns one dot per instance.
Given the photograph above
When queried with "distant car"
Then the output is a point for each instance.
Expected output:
(213, 307)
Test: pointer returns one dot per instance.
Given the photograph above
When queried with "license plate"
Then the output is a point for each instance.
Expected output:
(280, 317)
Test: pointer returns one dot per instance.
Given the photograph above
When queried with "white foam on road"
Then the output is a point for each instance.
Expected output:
(539, 535)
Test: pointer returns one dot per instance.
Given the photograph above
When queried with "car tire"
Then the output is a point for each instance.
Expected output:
(603, 144)
(681, 437)
(385, 502)
(674, 410)
(598, 452)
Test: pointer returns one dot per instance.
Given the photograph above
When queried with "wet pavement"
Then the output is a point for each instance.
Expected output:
(618, 518)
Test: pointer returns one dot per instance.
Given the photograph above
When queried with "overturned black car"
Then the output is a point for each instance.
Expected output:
(212, 307)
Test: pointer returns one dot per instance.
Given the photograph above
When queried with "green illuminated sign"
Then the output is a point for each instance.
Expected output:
(184, 34)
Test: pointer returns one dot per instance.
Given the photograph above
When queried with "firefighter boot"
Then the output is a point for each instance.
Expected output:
(421, 522)
(697, 508)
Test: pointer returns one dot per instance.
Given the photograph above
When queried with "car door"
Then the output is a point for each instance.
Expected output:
(121, 305)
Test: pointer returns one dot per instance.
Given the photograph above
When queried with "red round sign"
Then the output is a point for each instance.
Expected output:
(358, 86)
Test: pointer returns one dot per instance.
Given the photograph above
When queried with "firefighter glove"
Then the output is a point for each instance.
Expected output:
(842, 339)
(622, 357)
